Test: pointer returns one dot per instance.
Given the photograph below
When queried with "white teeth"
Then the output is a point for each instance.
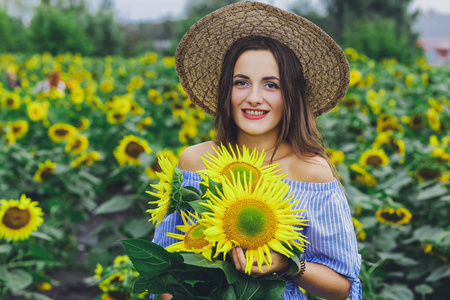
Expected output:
(255, 112)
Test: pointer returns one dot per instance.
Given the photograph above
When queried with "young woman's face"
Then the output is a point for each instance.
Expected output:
(256, 99)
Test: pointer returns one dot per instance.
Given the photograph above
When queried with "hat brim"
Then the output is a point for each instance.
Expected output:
(200, 54)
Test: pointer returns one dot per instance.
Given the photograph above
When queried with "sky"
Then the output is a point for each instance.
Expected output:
(154, 10)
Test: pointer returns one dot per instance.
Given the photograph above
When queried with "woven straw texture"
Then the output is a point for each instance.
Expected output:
(201, 51)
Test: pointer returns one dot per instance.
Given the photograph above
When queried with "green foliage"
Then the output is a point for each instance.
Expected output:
(105, 33)
(191, 276)
(378, 39)
(397, 259)
(380, 29)
(13, 35)
(55, 32)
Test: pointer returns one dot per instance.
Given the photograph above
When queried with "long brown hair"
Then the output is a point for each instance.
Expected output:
(298, 123)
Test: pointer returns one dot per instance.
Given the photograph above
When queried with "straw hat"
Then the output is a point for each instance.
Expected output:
(201, 51)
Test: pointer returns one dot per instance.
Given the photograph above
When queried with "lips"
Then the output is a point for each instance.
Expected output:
(254, 114)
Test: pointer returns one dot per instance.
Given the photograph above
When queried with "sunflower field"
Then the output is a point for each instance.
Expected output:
(75, 166)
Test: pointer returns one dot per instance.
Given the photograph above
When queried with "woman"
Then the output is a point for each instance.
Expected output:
(277, 73)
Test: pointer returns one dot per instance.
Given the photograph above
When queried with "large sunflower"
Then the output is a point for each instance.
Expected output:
(60, 132)
(244, 163)
(37, 110)
(129, 149)
(77, 144)
(18, 128)
(398, 216)
(11, 100)
(193, 240)
(335, 156)
(115, 116)
(85, 159)
(165, 189)
(45, 169)
(360, 174)
(110, 283)
(374, 158)
(151, 171)
(19, 218)
(258, 219)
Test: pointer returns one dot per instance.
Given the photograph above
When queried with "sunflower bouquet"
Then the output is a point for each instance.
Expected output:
(239, 202)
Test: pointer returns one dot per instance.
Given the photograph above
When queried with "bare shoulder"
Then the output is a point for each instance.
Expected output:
(190, 158)
(311, 169)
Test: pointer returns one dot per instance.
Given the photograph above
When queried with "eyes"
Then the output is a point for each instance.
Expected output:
(244, 83)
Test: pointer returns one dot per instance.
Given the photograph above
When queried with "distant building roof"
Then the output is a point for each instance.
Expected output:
(432, 25)
(434, 36)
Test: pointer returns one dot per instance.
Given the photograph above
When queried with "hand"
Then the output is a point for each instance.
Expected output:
(279, 263)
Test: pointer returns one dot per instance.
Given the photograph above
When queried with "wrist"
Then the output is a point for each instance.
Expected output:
(295, 276)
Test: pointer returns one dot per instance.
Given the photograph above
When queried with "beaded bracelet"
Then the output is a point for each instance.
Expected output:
(299, 274)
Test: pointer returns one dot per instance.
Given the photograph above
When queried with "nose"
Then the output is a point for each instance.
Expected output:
(254, 98)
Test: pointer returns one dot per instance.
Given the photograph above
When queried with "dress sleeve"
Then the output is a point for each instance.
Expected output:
(170, 222)
(332, 237)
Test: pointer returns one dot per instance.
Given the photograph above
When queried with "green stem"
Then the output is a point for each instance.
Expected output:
(30, 263)
(376, 265)
(367, 276)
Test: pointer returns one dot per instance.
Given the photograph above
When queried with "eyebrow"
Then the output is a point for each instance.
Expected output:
(264, 78)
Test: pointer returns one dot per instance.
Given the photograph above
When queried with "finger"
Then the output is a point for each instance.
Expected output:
(232, 255)
(240, 258)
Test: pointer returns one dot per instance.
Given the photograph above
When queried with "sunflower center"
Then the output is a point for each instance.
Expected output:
(374, 161)
(393, 217)
(241, 169)
(117, 116)
(16, 218)
(156, 167)
(429, 173)
(46, 172)
(350, 103)
(61, 132)
(116, 279)
(9, 101)
(76, 144)
(16, 129)
(250, 222)
(116, 295)
(133, 149)
(194, 238)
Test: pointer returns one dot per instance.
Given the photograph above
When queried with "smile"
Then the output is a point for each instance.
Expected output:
(254, 114)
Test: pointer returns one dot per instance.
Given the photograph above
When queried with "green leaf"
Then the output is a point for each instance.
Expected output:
(199, 260)
(195, 205)
(193, 189)
(248, 288)
(439, 273)
(214, 187)
(432, 192)
(397, 292)
(5, 249)
(41, 235)
(189, 195)
(398, 258)
(424, 289)
(37, 296)
(37, 251)
(17, 280)
(149, 258)
(138, 228)
(115, 204)
(397, 182)
(148, 283)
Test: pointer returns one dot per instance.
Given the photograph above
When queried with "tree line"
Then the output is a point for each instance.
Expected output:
(378, 28)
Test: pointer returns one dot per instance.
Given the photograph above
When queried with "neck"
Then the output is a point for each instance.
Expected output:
(268, 145)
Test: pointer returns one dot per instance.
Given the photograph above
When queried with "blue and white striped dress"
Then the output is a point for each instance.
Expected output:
(330, 231)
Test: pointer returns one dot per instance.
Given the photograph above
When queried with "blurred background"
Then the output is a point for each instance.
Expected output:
(402, 29)
(90, 99)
